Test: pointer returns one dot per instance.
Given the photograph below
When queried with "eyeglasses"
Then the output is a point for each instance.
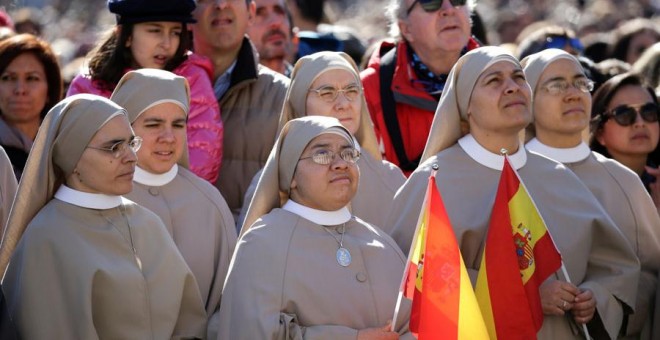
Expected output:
(559, 87)
(325, 157)
(560, 41)
(120, 148)
(626, 115)
(329, 94)
(433, 5)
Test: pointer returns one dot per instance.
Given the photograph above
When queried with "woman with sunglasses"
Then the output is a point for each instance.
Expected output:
(304, 267)
(483, 110)
(625, 127)
(193, 210)
(87, 263)
(561, 111)
(328, 84)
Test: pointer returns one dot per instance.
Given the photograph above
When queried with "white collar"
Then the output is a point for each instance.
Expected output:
(86, 199)
(566, 155)
(154, 180)
(320, 217)
(489, 159)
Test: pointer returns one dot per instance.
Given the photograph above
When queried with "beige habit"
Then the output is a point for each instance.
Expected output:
(379, 179)
(194, 212)
(285, 282)
(7, 188)
(595, 253)
(73, 273)
(619, 191)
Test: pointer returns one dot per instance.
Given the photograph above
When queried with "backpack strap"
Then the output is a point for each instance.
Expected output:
(388, 105)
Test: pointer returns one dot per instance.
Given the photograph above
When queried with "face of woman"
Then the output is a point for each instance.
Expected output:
(500, 102)
(163, 130)
(558, 111)
(153, 44)
(98, 171)
(325, 187)
(23, 90)
(638, 139)
(347, 93)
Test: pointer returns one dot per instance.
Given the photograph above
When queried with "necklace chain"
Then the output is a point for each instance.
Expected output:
(339, 241)
(129, 240)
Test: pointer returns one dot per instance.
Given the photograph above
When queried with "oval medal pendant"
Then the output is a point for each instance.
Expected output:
(343, 257)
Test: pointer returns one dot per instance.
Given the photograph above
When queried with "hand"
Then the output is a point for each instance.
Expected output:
(378, 333)
(557, 297)
(584, 307)
(655, 186)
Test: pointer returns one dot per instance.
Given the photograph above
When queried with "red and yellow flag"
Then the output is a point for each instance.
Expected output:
(443, 301)
(513, 268)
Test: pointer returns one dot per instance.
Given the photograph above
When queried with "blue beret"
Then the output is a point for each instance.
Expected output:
(137, 11)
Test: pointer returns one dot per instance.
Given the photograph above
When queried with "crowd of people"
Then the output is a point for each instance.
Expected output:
(246, 169)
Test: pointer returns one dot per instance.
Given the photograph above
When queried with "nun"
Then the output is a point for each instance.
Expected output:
(484, 107)
(82, 262)
(328, 84)
(304, 266)
(561, 112)
(193, 210)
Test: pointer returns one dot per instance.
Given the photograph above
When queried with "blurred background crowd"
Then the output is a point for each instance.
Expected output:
(74, 26)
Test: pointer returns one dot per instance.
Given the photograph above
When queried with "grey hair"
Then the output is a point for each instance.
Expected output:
(396, 10)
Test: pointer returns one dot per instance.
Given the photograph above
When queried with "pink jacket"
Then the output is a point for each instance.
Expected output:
(205, 131)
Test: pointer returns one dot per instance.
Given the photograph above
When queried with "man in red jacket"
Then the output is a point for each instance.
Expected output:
(430, 37)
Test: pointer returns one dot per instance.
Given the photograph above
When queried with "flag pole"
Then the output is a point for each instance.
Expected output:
(563, 266)
(410, 254)
(568, 279)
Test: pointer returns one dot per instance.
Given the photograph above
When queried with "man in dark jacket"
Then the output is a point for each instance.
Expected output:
(250, 95)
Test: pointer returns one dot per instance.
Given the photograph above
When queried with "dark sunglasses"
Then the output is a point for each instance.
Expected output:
(433, 5)
(626, 115)
(561, 41)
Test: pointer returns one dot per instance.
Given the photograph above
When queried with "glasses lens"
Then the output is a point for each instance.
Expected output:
(323, 157)
(584, 85)
(351, 92)
(350, 155)
(624, 115)
(327, 93)
(135, 144)
(649, 112)
(430, 5)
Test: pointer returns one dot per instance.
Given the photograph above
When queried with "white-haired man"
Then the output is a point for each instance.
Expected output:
(404, 80)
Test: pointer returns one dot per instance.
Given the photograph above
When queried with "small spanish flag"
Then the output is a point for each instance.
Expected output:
(519, 255)
(443, 302)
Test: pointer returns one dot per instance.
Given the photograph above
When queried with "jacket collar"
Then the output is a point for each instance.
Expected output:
(246, 64)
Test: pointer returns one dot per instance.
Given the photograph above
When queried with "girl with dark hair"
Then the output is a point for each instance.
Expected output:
(30, 84)
(159, 38)
(625, 127)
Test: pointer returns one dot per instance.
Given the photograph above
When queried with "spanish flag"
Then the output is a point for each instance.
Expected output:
(443, 301)
(513, 268)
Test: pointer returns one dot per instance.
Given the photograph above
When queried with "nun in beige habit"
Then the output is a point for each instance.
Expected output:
(194, 212)
(8, 187)
(327, 74)
(304, 267)
(485, 105)
(87, 263)
(560, 116)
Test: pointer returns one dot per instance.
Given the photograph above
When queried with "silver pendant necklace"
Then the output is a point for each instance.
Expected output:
(130, 234)
(343, 255)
